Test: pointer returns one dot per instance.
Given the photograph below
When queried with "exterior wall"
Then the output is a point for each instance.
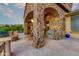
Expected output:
(60, 11)
(68, 25)
(68, 28)
(75, 35)
(25, 27)
(53, 22)
(30, 7)
(38, 25)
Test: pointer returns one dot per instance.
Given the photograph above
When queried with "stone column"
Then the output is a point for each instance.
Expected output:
(38, 26)
(25, 27)
(68, 24)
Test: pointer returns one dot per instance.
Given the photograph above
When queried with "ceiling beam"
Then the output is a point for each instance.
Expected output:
(61, 6)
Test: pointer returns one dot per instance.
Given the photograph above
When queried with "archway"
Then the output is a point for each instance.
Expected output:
(29, 23)
(51, 17)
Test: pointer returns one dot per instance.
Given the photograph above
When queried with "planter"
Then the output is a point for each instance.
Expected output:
(14, 36)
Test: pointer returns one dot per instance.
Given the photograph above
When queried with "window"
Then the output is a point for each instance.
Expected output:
(75, 23)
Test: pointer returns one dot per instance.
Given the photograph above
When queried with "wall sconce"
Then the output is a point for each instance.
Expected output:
(47, 25)
(32, 20)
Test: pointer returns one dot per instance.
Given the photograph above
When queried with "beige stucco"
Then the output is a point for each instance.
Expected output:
(68, 24)
(75, 35)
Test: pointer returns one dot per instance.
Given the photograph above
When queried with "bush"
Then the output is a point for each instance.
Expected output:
(8, 28)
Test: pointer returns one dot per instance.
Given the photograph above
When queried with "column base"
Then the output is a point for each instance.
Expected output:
(38, 44)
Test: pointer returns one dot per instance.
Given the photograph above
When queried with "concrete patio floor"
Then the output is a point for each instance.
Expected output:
(62, 47)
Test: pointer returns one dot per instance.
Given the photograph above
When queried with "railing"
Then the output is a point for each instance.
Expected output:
(5, 46)
(2, 47)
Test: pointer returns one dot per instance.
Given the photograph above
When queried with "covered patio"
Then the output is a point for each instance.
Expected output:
(23, 47)
(50, 47)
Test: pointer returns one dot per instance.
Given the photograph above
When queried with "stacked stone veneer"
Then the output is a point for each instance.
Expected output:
(38, 17)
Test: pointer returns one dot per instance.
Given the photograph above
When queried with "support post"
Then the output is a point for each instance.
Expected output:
(38, 26)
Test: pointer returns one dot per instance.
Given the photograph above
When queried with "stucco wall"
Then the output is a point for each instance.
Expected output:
(75, 35)
(68, 24)
(68, 27)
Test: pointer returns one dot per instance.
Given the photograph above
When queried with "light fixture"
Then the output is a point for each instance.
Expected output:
(47, 25)
(32, 20)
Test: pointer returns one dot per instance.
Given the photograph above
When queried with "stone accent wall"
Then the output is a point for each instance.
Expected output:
(58, 28)
(39, 29)
(38, 25)
(56, 24)
(28, 8)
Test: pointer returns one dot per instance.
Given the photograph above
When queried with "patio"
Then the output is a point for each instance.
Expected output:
(23, 47)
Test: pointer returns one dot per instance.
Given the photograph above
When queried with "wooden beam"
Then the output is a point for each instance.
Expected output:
(61, 6)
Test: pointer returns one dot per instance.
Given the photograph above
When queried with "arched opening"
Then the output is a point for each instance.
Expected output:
(29, 23)
(50, 18)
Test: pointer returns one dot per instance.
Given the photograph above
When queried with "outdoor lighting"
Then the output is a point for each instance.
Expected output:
(32, 20)
(47, 25)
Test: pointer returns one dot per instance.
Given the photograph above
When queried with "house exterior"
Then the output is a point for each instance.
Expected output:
(41, 17)
(71, 23)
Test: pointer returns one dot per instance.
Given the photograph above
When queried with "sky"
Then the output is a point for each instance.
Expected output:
(11, 13)
(75, 6)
